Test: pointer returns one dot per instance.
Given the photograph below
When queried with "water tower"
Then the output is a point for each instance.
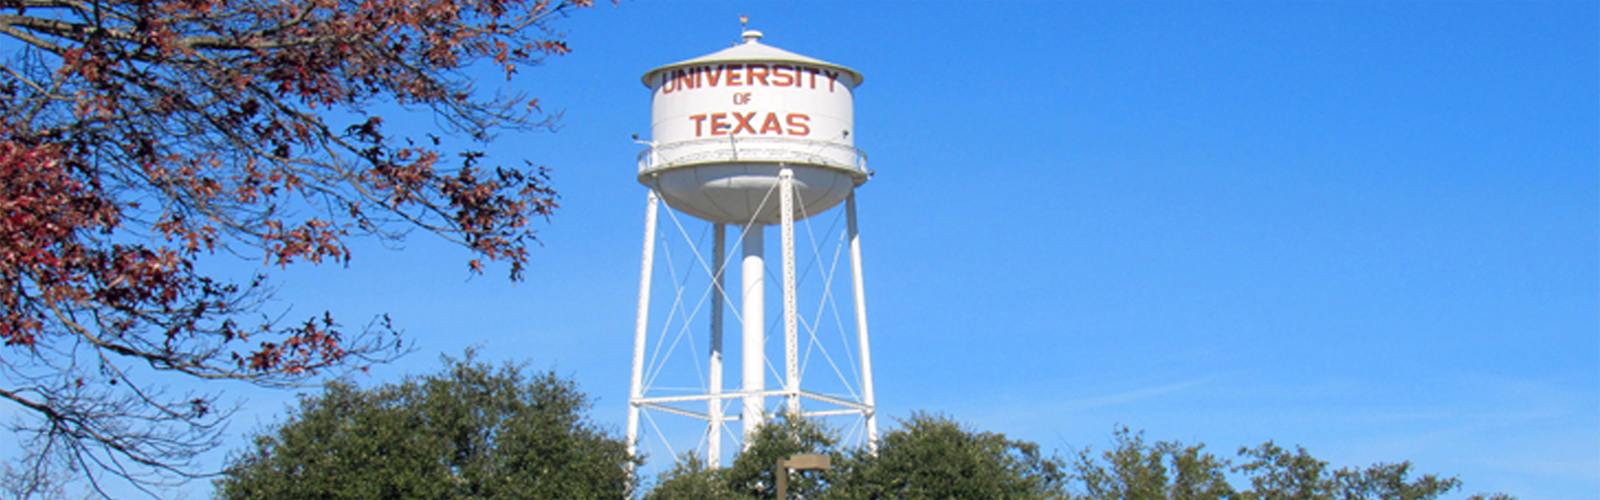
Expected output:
(749, 137)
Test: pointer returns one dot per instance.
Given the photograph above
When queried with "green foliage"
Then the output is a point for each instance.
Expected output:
(1197, 474)
(932, 457)
(689, 479)
(750, 476)
(751, 473)
(1276, 473)
(470, 432)
(1135, 470)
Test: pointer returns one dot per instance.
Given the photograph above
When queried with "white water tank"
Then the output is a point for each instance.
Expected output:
(724, 124)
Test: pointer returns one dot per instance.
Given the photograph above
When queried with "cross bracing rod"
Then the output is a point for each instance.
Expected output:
(702, 416)
(833, 413)
(833, 400)
(727, 418)
(705, 397)
(676, 411)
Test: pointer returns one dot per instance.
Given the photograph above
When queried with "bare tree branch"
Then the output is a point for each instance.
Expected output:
(139, 138)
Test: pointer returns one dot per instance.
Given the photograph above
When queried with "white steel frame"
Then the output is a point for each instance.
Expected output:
(753, 394)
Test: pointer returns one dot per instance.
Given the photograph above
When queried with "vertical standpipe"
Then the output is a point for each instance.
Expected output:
(753, 294)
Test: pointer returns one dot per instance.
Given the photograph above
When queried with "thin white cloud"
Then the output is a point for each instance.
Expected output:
(1047, 411)
(1126, 397)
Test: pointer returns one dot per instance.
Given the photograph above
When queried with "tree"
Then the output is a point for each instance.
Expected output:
(139, 137)
(1275, 473)
(471, 431)
(1134, 469)
(689, 479)
(1166, 470)
(931, 457)
(750, 475)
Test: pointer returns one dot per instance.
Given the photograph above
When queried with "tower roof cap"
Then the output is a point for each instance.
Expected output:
(751, 50)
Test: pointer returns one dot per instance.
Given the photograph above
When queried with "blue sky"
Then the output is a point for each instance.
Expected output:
(1367, 228)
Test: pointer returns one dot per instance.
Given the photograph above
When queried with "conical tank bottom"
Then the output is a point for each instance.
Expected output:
(739, 193)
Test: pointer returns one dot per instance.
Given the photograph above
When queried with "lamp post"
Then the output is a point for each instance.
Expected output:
(803, 461)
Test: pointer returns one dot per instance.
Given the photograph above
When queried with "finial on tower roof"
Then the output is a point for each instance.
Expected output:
(749, 35)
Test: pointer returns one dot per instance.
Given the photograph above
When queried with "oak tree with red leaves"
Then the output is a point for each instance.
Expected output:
(138, 137)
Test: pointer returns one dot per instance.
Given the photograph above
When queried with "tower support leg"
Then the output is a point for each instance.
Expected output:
(791, 333)
(714, 405)
(867, 398)
(636, 390)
